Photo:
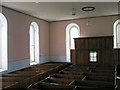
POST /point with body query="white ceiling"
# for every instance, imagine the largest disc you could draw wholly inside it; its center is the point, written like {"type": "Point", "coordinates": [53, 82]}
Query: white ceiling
{"type": "Point", "coordinates": [55, 11]}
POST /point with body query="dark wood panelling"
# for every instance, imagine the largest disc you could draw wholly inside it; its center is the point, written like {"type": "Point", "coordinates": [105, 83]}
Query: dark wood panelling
{"type": "Point", "coordinates": [72, 56]}
{"type": "Point", "coordinates": [103, 45]}
{"type": "Point", "coordinates": [117, 56]}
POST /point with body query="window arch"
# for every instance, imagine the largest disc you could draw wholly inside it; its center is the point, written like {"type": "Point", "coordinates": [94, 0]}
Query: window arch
{"type": "Point", "coordinates": [34, 43]}
{"type": "Point", "coordinates": [72, 31]}
{"type": "Point", "coordinates": [3, 43]}
{"type": "Point", "coordinates": [117, 34]}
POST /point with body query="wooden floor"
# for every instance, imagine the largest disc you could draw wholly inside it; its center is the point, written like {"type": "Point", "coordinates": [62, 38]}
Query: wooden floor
{"type": "Point", "coordinates": [24, 77]}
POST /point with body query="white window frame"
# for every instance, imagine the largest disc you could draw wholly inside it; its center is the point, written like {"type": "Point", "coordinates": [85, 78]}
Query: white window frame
{"type": "Point", "coordinates": [4, 44]}
{"type": "Point", "coordinates": [36, 44]}
{"type": "Point", "coordinates": [116, 44]}
{"type": "Point", "coordinates": [68, 46]}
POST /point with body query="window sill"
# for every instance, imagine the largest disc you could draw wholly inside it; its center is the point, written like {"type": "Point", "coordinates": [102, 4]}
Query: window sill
{"type": "Point", "coordinates": [33, 63]}
{"type": "Point", "coordinates": [1, 70]}
{"type": "Point", "coordinates": [93, 62]}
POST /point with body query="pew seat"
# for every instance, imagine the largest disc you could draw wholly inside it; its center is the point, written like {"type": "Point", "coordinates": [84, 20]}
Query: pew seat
{"type": "Point", "coordinates": [57, 80]}
{"type": "Point", "coordinates": [67, 76]}
{"type": "Point", "coordinates": [71, 72]}
{"type": "Point", "coordinates": [99, 74]}
{"type": "Point", "coordinates": [100, 78]}
{"type": "Point", "coordinates": [97, 84]}
{"type": "Point", "coordinates": [49, 86]}
{"type": "Point", "coordinates": [90, 88]}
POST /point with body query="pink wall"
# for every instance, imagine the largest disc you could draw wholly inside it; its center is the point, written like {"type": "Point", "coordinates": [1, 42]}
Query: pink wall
{"type": "Point", "coordinates": [18, 35]}
{"type": "Point", "coordinates": [101, 26]}
{"type": "Point", "coordinates": [52, 35]}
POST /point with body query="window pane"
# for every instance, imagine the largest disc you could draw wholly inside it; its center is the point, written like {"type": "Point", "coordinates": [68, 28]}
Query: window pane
{"type": "Point", "coordinates": [74, 33]}
{"type": "Point", "coordinates": [93, 56]}
{"type": "Point", "coordinates": [32, 56]}
{"type": "Point", "coordinates": [3, 43]}
{"type": "Point", "coordinates": [118, 33]}
{"type": "Point", "coordinates": [32, 35]}
{"type": "Point", "coordinates": [32, 44]}
{"type": "Point", "coordinates": [0, 44]}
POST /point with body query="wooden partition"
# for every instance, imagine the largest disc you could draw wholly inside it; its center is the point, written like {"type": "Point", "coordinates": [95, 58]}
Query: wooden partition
{"type": "Point", "coordinates": [106, 54]}
{"type": "Point", "coordinates": [72, 56]}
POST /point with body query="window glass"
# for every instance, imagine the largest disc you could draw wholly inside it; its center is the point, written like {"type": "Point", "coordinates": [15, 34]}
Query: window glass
{"type": "Point", "coordinates": [93, 56]}
{"type": "Point", "coordinates": [117, 34]}
{"type": "Point", "coordinates": [72, 31]}
{"type": "Point", "coordinates": [34, 43]}
{"type": "Point", "coordinates": [3, 43]}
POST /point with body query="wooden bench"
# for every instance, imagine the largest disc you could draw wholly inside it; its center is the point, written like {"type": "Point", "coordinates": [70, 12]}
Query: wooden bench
{"type": "Point", "coordinates": [103, 71]}
{"type": "Point", "coordinates": [57, 80]}
{"type": "Point", "coordinates": [6, 84]}
{"type": "Point", "coordinates": [76, 69]}
{"type": "Point", "coordinates": [30, 76]}
{"type": "Point", "coordinates": [67, 76]}
{"type": "Point", "coordinates": [18, 75]}
{"type": "Point", "coordinates": [48, 86]}
{"type": "Point", "coordinates": [90, 88]}
{"type": "Point", "coordinates": [71, 72]}
{"type": "Point", "coordinates": [99, 74]}
{"type": "Point", "coordinates": [97, 84]}
{"type": "Point", "coordinates": [100, 78]}
{"type": "Point", "coordinates": [9, 81]}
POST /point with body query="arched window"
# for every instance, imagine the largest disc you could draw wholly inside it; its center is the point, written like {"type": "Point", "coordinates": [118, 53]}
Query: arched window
{"type": "Point", "coordinates": [117, 34]}
{"type": "Point", "coordinates": [34, 43]}
{"type": "Point", "coordinates": [3, 43]}
{"type": "Point", "coordinates": [72, 31]}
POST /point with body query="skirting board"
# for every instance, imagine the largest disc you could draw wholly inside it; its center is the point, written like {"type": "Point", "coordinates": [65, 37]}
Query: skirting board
{"type": "Point", "coordinates": [58, 59]}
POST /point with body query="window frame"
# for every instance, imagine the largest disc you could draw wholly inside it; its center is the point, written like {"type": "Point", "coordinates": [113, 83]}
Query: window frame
{"type": "Point", "coordinates": [117, 22]}
{"type": "Point", "coordinates": [35, 27]}
{"type": "Point", "coordinates": [70, 41]}
{"type": "Point", "coordinates": [68, 27]}
{"type": "Point", "coordinates": [4, 43]}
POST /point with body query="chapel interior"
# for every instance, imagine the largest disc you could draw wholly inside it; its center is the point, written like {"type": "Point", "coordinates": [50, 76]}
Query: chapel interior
{"type": "Point", "coordinates": [59, 45]}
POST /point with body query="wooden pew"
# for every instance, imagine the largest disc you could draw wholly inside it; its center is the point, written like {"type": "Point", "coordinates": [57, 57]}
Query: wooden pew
{"type": "Point", "coordinates": [99, 74]}
{"type": "Point", "coordinates": [48, 86]}
{"type": "Point", "coordinates": [78, 67]}
{"type": "Point", "coordinates": [79, 70]}
{"type": "Point", "coordinates": [67, 76]}
{"type": "Point", "coordinates": [90, 88]}
{"type": "Point", "coordinates": [97, 84]}
{"type": "Point", "coordinates": [100, 78]}
{"type": "Point", "coordinates": [103, 71]}
{"type": "Point", "coordinates": [6, 84]}
{"type": "Point", "coordinates": [18, 75]}
{"type": "Point", "coordinates": [31, 76]}
{"type": "Point", "coordinates": [57, 80]}
{"type": "Point", "coordinates": [9, 81]}
{"type": "Point", "coordinates": [71, 72]}
{"type": "Point", "coordinates": [15, 79]}
{"type": "Point", "coordinates": [105, 67]}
